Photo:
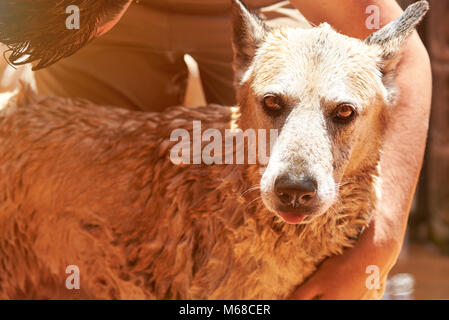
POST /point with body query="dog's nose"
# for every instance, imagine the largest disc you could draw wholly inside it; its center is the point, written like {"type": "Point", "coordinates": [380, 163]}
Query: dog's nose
{"type": "Point", "coordinates": [295, 192]}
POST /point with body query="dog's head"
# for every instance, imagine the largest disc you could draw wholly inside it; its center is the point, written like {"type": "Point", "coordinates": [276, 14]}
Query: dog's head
{"type": "Point", "coordinates": [327, 94]}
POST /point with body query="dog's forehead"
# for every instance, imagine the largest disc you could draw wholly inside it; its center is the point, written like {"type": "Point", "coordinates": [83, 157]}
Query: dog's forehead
{"type": "Point", "coordinates": [316, 61]}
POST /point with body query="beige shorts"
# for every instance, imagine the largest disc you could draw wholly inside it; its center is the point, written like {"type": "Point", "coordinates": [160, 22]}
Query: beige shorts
{"type": "Point", "coordinates": [140, 63]}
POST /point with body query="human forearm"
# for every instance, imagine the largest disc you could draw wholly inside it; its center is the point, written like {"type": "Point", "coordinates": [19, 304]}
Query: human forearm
{"type": "Point", "coordinates": [405, 141]}
{"type": "Point", "coordinates": [347, 16]}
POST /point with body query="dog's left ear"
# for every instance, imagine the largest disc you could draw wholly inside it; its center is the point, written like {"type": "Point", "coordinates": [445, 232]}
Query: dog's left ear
{"type": "Point", "coordinates": [390, 40]}
{"type": "Point", "coordinates": [249, 31]}
{"type": "Point", "coordinates": [391, 37]}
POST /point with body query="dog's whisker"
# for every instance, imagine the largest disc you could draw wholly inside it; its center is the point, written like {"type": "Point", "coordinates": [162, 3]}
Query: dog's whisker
{"type": "Point", "coordinates": [254, 188]}
{"type": "Point", "coordinates": [253, 201]}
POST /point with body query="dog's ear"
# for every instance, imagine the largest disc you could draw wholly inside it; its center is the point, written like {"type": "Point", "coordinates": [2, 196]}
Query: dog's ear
{"type": "Point", "coordinates": [390, 39]}
{"type": "Point", "coordinates": [248, 33]}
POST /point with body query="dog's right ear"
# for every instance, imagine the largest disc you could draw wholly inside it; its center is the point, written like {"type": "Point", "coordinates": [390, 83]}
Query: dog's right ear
{"type": "Point", "coordinates": [249, 31]}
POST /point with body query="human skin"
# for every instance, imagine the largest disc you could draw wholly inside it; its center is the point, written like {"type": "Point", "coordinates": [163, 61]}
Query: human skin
{"type": "Point", "coordinates": [344, 276]}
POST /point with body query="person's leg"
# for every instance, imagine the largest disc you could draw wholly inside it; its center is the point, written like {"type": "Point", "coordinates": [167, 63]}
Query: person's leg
{"type": "Point", "coordinates": [131, 66]}
{"type": "Point", "coordinates": [217, 76]}
{"type": "Point", "coordinates": [208, 39]}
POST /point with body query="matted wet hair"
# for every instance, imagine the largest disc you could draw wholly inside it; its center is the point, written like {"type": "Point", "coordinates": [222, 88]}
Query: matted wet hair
{"type": "Point", "coordinates": [35, 30]}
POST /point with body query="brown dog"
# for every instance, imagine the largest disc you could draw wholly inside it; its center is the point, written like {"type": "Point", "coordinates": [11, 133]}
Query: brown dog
{"type": "Point", "coordinates": [94, 187]}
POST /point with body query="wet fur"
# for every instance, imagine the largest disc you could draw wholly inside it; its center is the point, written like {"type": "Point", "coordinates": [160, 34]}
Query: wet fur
{"type": "Point", "coordinates": [81, 184]}
{"type": "Point", "coordinates": [93, 186]}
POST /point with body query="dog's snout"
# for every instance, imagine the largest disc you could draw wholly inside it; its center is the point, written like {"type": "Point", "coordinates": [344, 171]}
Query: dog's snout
{"type": "Point", "coordinates": [295, 192]}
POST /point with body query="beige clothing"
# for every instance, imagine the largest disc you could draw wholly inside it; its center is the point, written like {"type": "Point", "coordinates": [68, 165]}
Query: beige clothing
{"type": "Point", "coordinates": [140, 65]}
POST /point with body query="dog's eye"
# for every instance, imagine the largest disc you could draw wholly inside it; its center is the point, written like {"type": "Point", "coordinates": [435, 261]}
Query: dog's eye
{"type": "Point", "coordinates": [344, 112]}
{"type": "Point", "coordinates": [272, 103]}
